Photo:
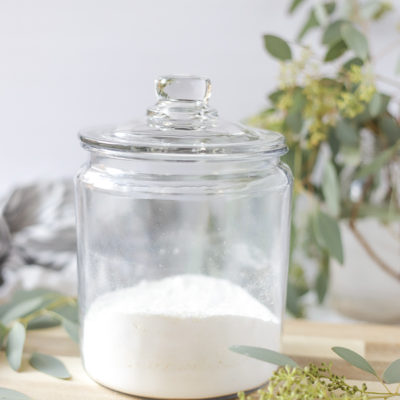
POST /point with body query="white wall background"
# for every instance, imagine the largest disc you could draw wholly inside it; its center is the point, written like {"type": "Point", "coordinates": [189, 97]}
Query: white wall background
{"type": "Point", "coordinates": [67, 64]}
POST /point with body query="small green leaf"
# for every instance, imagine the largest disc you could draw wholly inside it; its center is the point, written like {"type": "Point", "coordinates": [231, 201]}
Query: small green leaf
{"type": "Point", "coordinates": [25, 302]}
{"type": "Point", "coordinates": [383, 158]}
{"type": "Point", "coordinates": [327, 234]}
{"type": "Point", "coordinates": [15, 345]}
{"type": "Point", "coordinates": [346, 133]}
{"type": "Point", "coordinates": [335, 51]}
{"type": "Point", "coordinates": [70, 320]}
{"type": "Point", "coordinates": [354, 359]}
{"type": "Point", "coordinates": [42, 322]}
{"type": "Point", "coordinates": [330, 189]}
{"type": "Point", "coordinates": [277, 47]}
{"type": "Point", "coordinates": [275, 96]}
{"type": "Point", "coordinates": [392, 372]}
{"type": "Point", "coordinates": [72, 329]}
{"type": "Point", "coordinates": [9, 394]}
{"type": "Point", "coordinates": [390, 128]}
{"type": "Point", "coordinates": [321, 283]}
{"type": "Point", "coordinates": [22, 309]}
{"type": "Point", "coordinates": [353, 61]}
{"type": "Point", "coordinates": [332, 33]}
{"type": "Point", "coordinates": [69, 312]}
{"type": "Point", "coordinates": [321, 14]}
{"type": "Point", "coordinates": [375, 105]}
{"type": "Point", "coordinates": [355, 40]}
{"type": "Point", "coordinates": [294, 5]}
{"type": "Point", "coordinates": [312, 20]}
{"type": "Point", "coordinates": [46, 294]}
{"type": "Point", "coordinates": [266, 355]}
{"type": "Point", "coordinates": [49, 365]}
{"type": "Point", "coordinates": [3, 334]}
{"type": "Point", "coordinates": [293, 301]}
{"type": "Point", "coordinates": [310, 23]}
{"type": "Point", "coordinates": [294, 121]}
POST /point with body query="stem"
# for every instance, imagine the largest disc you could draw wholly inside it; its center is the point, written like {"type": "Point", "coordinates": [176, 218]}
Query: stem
{"type": "Point", "coordinates": [43, 311]}
{"type": "Point", "coordinates": [382, 264]}
{"type": "Point", "coordinates": [361, 239]}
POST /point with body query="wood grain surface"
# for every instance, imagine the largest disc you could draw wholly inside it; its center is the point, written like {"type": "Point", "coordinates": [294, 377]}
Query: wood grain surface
{"type": "Point", "coordinates": [305, 341]}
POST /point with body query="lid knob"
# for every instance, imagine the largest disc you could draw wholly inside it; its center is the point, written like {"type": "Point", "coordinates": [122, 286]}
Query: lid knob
{"type": "Point", "coordinates": [183, 88]}
{"type": "Point", "coordinates": [182, 103]}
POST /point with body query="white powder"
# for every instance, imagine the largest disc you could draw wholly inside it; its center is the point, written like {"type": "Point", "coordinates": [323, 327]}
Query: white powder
{"type": "Point", "coordinates": [170, 338]}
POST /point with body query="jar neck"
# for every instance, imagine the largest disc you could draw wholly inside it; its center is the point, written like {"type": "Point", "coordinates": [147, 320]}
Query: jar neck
{"type": "Point", "coordinates": [195, 167]}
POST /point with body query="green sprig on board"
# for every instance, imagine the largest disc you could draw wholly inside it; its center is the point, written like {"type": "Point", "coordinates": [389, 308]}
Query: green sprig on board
{"type": "Point", "coordinates": [30, 310]}
{"type": "Point", "coordinates": [292, 382]}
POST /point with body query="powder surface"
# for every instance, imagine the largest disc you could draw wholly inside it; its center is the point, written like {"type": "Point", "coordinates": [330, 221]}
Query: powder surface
{"type": "Point", "coordinates": [170, 338]}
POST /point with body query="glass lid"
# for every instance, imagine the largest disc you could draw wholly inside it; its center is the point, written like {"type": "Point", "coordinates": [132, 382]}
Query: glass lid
{"type": "Point", "coordinates": [181, 122]}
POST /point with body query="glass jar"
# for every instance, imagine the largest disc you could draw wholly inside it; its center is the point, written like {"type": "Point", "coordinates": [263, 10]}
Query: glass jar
{"type": "Point", "coordinates": [183, 230]}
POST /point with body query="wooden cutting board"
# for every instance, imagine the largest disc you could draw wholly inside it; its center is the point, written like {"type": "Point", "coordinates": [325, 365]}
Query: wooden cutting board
{"type": "Point", "coordinates": [305, 341]}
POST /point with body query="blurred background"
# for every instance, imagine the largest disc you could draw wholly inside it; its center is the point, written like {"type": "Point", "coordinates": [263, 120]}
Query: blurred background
{"type": "Point", "coordinates": [71, 64]}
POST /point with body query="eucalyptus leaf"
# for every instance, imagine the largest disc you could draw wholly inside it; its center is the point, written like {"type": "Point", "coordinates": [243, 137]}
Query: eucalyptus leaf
{"type": "Point", "coordinates": [333, 142]}
{"type": "Point", "coordinates": [332, 32]}
{"type": "Point", "coordinates": [293, 301]}
{"type": "Point", "coordinates": [375, 105]}
{"type": "Point", "coordinates": [3, 334]}
{"type": "Point", "coordinates": [330, 188]}
{"type": "Point", "coordinates": [275, 96]}
{"type": "Point", "coordinates": [294, 5]}
{"type": "Point", "coordinates": [379, 161]}
{"type": "Point", "coordinates": [9, 394]}
{"type": "Point", "coordinates": [354, 359]}
{"type": "Point", "coordinates": [294, 121]}
{"type": "Point", "coordinates": [15, 345]}
{"type": "Point", "coordinates": [25, 302]}
{"type": "Point", "coordinates": [46, 294]}
{"type": "Point", "coordinates": [390, 128]}
{"type": "Point", "coordinates": [42, 322]}
{"type": "Point", "coordinates": [21, 309]}
{"type": "Point", "coordinates": [321, 14]}
{"type": "Point", "coordinates": [353, 61]}
{"type": "Point", "coordinates": [335, 51]}
{"type": "Point", "coordinates": [346, 133]}
{"type": "Point", "coordinates": [69, 312]}
{"type": "Point", "coordinates": [266, 355]}
{"type": "Point", "coordinates": [355, 40]}
{"type": "Point", "coordinates": [49, 365]}
{"type": "Point", "coordinates": [312, 20]}
{"type": "Point", "coordinates": [327, 234]}
{"type": "Point", "coordinates": [392, 372]}
{"type": "Point", "coordinates": [72, 328]}
{"type": "Point", "coordinates": [277, 47]}
{"type": "Point", "coordinates": [321, 283]}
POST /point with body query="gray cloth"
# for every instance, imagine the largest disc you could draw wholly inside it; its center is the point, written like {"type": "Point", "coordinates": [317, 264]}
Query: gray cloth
{"type": "Point", "coordinates": [37, 232]}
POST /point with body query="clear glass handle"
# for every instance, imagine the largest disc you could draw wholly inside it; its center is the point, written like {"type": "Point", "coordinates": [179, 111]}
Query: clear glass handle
{"type": "Point", "coordinates": [183, 88]}
{"type": "Point", "coordinates": [182, 103]}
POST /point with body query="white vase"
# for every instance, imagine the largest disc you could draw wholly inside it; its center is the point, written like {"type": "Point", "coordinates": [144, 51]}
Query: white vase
{"type": "Point", "coordinates": [360, 288]}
